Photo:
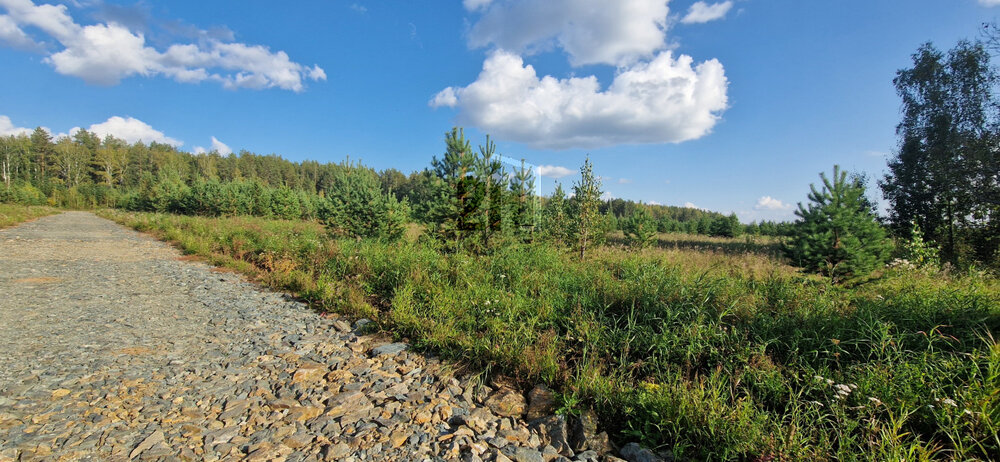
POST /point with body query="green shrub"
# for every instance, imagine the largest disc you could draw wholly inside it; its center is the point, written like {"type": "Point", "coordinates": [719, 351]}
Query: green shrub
{"type": "Point", "coordinates": [837, 235]}
{"type": "Point", "coordinates": [359, 207]}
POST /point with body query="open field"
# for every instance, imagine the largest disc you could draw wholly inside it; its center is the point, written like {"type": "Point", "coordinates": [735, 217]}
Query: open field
{"type": "Point", "coordinates": [11, 214]}
{"type": "Point", "coordinates": [708, 354]}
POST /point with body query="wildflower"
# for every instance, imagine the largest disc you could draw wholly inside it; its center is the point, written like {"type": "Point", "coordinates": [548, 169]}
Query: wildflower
{"type": "Point", "coordinates": [841, 388]}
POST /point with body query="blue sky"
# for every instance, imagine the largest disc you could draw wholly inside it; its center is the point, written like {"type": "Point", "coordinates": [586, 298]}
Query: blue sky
{"type": "Point", "coordinates": [733, 106]}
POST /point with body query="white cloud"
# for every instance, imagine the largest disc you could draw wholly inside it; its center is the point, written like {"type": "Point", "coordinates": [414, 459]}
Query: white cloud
{"type": "Point", "coordinates": [624, 181]}
{"type": "Point", "coordinates": [666, 100]}
{"type": "Point", "coordinates": [7, 128]}
{"type": "Point", "coordinates": [616, 32]}
{"type": "Point", "coordinates": [691, 205]}
{"type": "Point", "coordinates": [989, 3]}
{"type": "Point", "coordinates": [554, 171]}
{"type": "Point", "coordinates": [106, 53]}
{"type": "Point", "coordinates": [701, 12]}
{"type": "Point", "coordinates": [131, 130]}
{"type": "Point", "coordinates": [14, 37]}
{"type": "Point", "coordinates": [770, 203]}
{"type": "Point", "coordinates": [217, 146]}
{"type": "Point", "coordinates": [654, 203]}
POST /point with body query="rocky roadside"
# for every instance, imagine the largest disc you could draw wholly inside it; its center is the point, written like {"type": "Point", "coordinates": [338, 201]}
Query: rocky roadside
{"type": "Point", "coordinates": [113, 348]}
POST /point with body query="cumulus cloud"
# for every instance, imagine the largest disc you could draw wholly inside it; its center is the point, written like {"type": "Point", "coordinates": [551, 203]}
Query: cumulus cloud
{"type": "Point", "coordinates": [12, 36]}
{"type": "Point", "coordinates": [690, 205]}
{"type": "Point", "coordinates": [7, 128]}
{"type": "Point", "coordinates": [131, 130]}
{"type": "Point", "coordinates": [217, 146]}
{"type": "Point", "coordinates": [701, 12]}
{"type": "Point", "coordinates": [989, 3]}
{"type": "Point", "coordinates": [619, 32]}
{"type": "Point", "coordinates": [554, 171]}
{"type": "Point", "coordinates": [665, 100]}
{"type": "Point", "coordinates": [106, 53]}
{"type": "Point", "coordinates": [770, 203]}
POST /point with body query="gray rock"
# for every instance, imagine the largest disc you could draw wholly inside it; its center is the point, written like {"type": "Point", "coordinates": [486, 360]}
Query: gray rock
{"type": "Point", "coordinates": [527, 455]}
{"type": "Point", "coordinates": [552, 430]}
{"type": "Point", "coordinates": [389, 349]}
{"type": "Point", "coordinates": [632, 452]}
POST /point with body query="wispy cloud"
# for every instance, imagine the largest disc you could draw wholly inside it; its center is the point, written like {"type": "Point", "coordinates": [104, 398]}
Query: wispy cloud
{"type": "Point", "coordinates": [701, 12]}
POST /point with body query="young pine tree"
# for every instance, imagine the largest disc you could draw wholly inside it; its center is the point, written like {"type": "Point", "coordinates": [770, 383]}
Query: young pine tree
{"type": "Point", "coordinates": [360, 208]}
{"type": "Point", "coordinates": [492, 177]}
{"type": "Point", "coordinates": [522, 203]}
{"type": "Point", "coordinates": [456, 213]}
{"type": "Point", "coordinates": [837, 234]}
{"type": "Point", "coordinates": [555, 217]}
{"type": "Point", "coordinates": [639, 227]}
{"type": "Point", "coordinates": [588, 221]}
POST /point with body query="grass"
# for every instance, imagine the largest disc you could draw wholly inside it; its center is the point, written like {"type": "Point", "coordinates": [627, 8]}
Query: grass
{"type": "Point", "coordinates": [11, 214]}
{"type": "Point", "coordinates": [711, 354]}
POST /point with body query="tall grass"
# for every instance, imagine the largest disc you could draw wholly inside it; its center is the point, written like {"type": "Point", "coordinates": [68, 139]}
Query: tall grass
{"type": "Point", "coordinates": [12, 214]}
{"type": "Point", "coordinates": [710, 354]}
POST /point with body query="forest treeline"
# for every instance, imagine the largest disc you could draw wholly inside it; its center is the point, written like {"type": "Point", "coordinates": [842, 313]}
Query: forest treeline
{"type": "Point", "coordinates": [85, 171]}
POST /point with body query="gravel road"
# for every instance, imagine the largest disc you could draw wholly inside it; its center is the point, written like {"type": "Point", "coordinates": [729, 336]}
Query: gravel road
{"type": "Point", "coordinates": [113, 347]}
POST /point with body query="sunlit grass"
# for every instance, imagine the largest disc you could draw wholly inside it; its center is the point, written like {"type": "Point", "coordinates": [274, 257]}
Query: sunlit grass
{"type": "Point", "coordinates": [11, 214]}
{"type": "Point", "coordinates": [711, 353]}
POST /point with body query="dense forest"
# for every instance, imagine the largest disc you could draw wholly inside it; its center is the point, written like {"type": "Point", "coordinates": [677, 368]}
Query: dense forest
{"type": "Point", "coordinates": [84, 171]}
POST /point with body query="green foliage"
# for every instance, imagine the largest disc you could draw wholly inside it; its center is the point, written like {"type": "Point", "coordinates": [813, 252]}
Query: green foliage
{"type": "Point", "coordinates": [639, 227]}
{"type": "Point", "coordinates": [491, 175]}
{"type": "Point", "coordinates": [456, 212]}
{"type": "Point", "coordinates": [588, 223]}
{"type": "Point", "coordinates": [919, 252]}
{"type": "Point", "coordinates": [837, 235]}
{"type": "Point", "coordinates": [726, 227]}
{"type": "Point", "coordinates": [523, 204]}
{"type": "Point", "coordinates": [556, 218]}
{"type": "Point", "coordinates": [943, 176]}
{"type": "Point", "coordinates": [714, 357]}
{"type": "Point", "coordinates": [360, 208]}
